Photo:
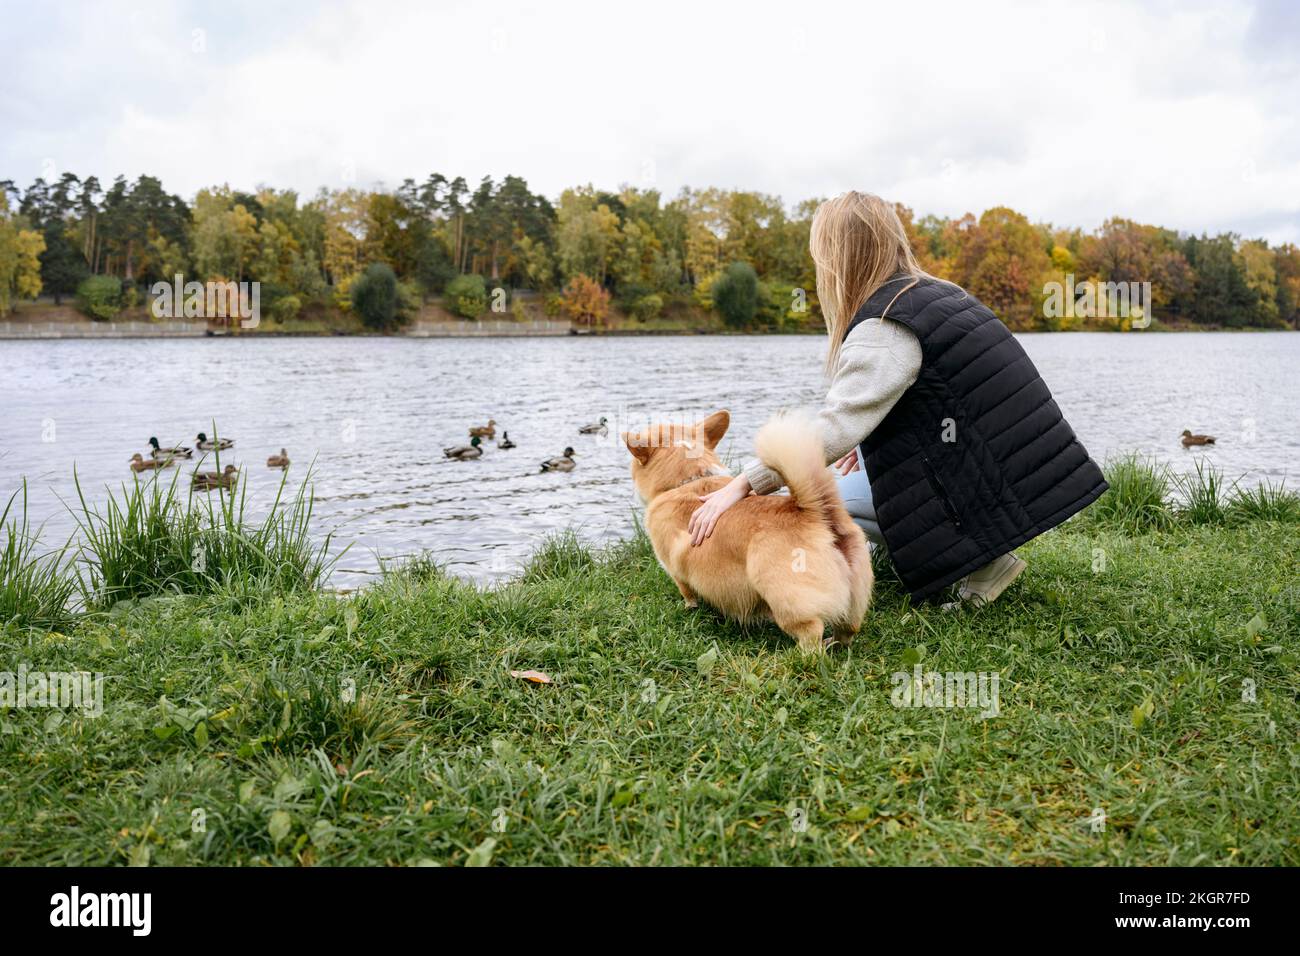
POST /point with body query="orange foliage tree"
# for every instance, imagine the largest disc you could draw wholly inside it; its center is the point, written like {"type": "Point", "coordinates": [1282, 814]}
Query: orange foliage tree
{"type": "Point", "coordinates": [586, 301]}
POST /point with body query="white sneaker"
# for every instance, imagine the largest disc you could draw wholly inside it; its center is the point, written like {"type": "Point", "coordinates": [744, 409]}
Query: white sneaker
{"type": "Point", "coordinates": [985, 585]}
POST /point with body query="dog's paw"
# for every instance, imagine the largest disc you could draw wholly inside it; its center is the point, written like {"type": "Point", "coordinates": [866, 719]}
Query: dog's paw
{"type": "Point", "coordinates": [690, 604]}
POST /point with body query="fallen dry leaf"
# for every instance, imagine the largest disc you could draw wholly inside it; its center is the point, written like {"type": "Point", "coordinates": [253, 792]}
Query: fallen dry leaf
{"type": "Point", "coordinates": [536, 677]}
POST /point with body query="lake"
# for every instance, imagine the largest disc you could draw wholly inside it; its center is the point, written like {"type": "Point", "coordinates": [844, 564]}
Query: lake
{"type": "Point", "coordinates": [375, 413]}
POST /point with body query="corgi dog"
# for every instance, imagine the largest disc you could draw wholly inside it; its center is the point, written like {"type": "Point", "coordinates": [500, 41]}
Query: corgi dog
{"type": "Point", "coordinates": [798, 558]}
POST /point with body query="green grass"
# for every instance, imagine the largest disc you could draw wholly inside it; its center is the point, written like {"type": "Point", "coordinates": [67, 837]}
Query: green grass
{"type": "Point", "coordinates": [1138, 499]}
{"type": "Point", "coordinates": [35, 590]}
{"type": "Point", "coordinates": [1203, 494]}
{"type": "Point", "coordinates": [1265, 502]}
{"type": "Point", "coordinates": [158, 536]}
{"type": "Point", "coordinates": [303, 727]}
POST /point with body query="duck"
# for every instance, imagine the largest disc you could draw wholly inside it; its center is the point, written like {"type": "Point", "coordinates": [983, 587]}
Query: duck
{"type": "Point", "coordinates": [1189, 439]}
{"type": "Point", "coordinates": [140, 463]}
{"type": "Point", "coordinates": [180, 451]}
{"type": "Point", "coordinates": [595, 428]}
{"type": "Point", "coordinates": [278, 461]}
{"type": "Point", "coordinates": [505, 441]}
{"type": "Point", "coordinates": [484, 431]}
{"type": "Point", "coordinates": [208, 480]}
{"type": "Point", "coordinates": [564, 463]}
{"type": "Point", "coordinates": [215, 444]}
{"type": "Point", "coordinates": [465, 452]}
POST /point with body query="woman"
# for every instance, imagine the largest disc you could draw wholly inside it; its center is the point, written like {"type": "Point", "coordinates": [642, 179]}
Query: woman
{"type": "Point", "coordinates": [950, 448]}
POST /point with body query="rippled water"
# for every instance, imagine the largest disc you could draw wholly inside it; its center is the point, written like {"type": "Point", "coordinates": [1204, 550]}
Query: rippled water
{"type": "Point", "coordinates": [376, 413]}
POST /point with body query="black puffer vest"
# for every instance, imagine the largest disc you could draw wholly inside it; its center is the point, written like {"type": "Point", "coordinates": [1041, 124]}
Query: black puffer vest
{"type": "Point", "coordinates": [975, 458]}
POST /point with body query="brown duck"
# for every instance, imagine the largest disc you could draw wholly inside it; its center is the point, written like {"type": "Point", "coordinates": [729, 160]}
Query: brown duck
{"type": "Point", "coordinates": [211, 480]}
{"type": "Point", "coordinates": [140, 463]}
{"type": "Point", "coordinates": [1189, 439]}
{"type": "Point", "coordinates": [484, 431]}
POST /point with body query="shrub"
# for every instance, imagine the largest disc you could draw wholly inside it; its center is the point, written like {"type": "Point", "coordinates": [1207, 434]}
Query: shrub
{"type": "Point", "coordinates": [100, 297]}
{"type": "Point", "coordinates": [735, 294]}
{"type": "Point", "coordinates": [410, 296]}
{"type": "Point", "coordinates": [586, 300]}
{"type": "Point", "coordinates": [375, 297]}
{"type": "Point", "coordinates": [341, 293]}
{"type": "Point", "coordinates": [286, 308]}
{"type": "Point", "coordinates": [647, 307]}
{"type": "Point", "coordinates": [466, 296]}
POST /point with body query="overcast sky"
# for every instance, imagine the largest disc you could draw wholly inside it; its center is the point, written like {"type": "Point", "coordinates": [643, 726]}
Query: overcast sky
{"type": "Point", "coordinates": [1181, 114]}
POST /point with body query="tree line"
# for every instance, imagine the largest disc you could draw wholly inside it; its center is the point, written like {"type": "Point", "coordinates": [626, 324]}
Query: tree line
{"type": "Point", "coordinates": [744, 255]}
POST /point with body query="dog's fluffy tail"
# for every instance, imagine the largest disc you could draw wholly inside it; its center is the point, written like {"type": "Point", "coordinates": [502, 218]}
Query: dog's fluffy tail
{"type": "Point", "coordinates": [791, 445]}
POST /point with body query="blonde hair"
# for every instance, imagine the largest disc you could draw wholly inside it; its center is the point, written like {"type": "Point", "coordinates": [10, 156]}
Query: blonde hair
{"type": "Point", "coordinates": [858, 243]}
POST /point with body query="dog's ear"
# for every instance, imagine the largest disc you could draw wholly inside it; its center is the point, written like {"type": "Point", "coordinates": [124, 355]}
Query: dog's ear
{"type": "Point", "coordinates": [714, 427]}
{"type": "Point", "coordinates": [638, 446]}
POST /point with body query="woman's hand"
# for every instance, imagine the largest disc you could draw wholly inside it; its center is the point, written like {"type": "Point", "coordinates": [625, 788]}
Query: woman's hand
{"type": "Point", "coordinates": [714, 504]}
{"type": "Point", "coordinates": [848, 464]}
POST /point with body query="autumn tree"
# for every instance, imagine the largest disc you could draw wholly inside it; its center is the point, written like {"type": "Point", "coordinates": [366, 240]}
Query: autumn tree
{"type": "Point", "coordinates": [1003, 263]}
{"type": "Point", "coordinates": [586, 301]}
{"type": "Point", "coordinates": [224, 236]}
{"type": "Point", "coordinates": [1223, 295]}
{"type": "Point", "coordinates": [20, 265]}
{"type": "Point", "coordinates": [586, 235]}
{"type": "Point", "coordinates": [1288, 283]}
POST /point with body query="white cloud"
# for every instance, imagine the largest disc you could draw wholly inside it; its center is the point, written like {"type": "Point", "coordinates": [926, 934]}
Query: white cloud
{"type": "Point", "coordinates": [1070, 112]}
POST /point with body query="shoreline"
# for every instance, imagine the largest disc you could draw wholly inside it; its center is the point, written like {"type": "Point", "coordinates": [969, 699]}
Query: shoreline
{"type": "Point", "coordinates": [49, 331]}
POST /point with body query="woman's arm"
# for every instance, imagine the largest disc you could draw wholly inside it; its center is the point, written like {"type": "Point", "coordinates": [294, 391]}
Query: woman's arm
{"type": "Point", "coordinates": [879, 362]}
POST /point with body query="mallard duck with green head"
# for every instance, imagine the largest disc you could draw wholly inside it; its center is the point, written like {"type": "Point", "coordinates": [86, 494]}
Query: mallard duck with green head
{"type": "Point", "coordinates": [180, 451]}
{"type": "Point", "coordinates": [465, 452]}
{"type": "Point", "coordinates": [216, 444]}
{"type": "Point", "coordinates": [595, 428]}
{"type": "Point", "coordinates": [564, 462]}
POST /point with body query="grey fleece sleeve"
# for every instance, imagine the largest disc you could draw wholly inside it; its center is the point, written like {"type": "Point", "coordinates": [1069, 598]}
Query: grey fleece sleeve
{"type": "Point", "coordinates": [878, 362]}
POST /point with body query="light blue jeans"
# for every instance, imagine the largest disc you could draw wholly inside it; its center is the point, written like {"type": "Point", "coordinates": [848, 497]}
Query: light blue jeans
{"type": "Point", "coordinates": [855, 489]}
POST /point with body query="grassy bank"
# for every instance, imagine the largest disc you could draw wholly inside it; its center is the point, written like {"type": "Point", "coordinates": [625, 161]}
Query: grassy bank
{"type": "Point", "coordinates": [250, 718]}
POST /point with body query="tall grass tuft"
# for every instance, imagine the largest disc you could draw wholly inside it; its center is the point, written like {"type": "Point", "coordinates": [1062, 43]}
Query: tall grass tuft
{"type": "Point", "coordinates": [1267, 502]}
{"type": "Point", "coordinates": [1202, 495]}
{"type": "Point", "coordinates": [155, 539]}
{"type": "Point", "coordinates": [34, 590]}
{"type": "Point", "coordinates": [1137, 501]}
{"type": "Point", "coordinates": [559, 556]}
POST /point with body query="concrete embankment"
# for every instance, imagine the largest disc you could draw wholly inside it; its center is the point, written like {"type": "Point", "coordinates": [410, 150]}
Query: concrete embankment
{"type": "Point", "coordinates": [178, 329]}
{"type": "Point", "coordinates": [102, 330]}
